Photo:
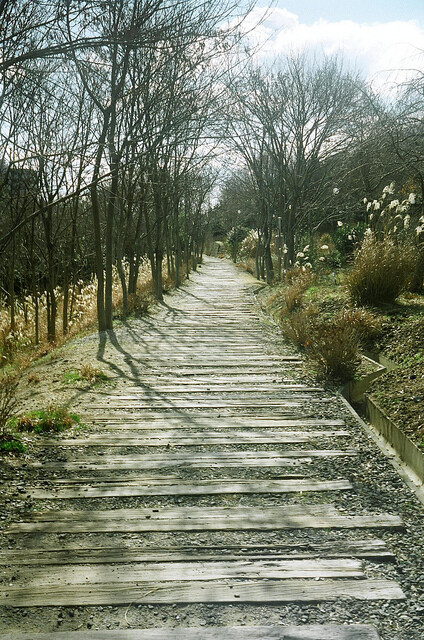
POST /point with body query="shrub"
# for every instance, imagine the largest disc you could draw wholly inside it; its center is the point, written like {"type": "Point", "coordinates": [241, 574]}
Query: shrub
{"type": "Point", "coordinates": [9, 441]}
{"type": "Point", "coordinates": [381, 271]}
{"type": "Point", "coordinates": [8, 401]}
{"type": "Point", "coordinates": [247, 248]}
{"type": "Point", "coordinates": [92, 374]}
{"type": "Point", "coordinates": [299, 280]}
{"type": "Point", "coordinates": [334, 346]}
{"type": "Point", "coordinates": [53, 419]}
{"type": "Point", "coordinates": [235, 237]}
{"type": "Point", "coordinates": [11, 444]}
{"type": "Point", "coordinates": [367, 325]}
{"type": "Point", "coordinates": [298, 326]}
{"type": "Point", "coordinates": [346, 238]}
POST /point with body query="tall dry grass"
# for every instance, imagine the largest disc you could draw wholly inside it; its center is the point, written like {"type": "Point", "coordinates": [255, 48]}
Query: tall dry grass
{"type": "Point", "coordinates": [381, 272]}
{"type": "Point", "coordinates": [19, 346]}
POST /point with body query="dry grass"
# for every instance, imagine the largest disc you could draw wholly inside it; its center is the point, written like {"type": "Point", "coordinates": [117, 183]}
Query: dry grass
{"type": "Point", "coordinates": [19, 346]}
{"type": "Point", "coordinates": [90, 373]}
{"type": "Point", "coordinates": [331, 341]}
{"type": "Point", "coordinates": [367, 324]}
{"type": "Point", "coordinates": [381, 272]}
{"type": "Point", "coordinates": [299, 280]}
{"type": "Point", "coordinates": [335, 348]}
{"type": "Point", "coordinates": [298, 325]}
{"type": "Point", "coordinates": [8, 401]}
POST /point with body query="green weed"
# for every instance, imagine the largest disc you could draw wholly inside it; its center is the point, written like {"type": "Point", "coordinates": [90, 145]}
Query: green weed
{"type": "Point", "coordinates": [51, 420]}
{"type": "Point", "coordinates": [12, 444]}
{"type": "Point", "coordinates": [71, 376]}
{"type": "Point", "coordinates": [87, 373]}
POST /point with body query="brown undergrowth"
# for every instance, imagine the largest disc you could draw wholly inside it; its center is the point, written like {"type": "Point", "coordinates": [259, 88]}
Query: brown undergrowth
{"type": "Point", "coordinates": [333, 332]}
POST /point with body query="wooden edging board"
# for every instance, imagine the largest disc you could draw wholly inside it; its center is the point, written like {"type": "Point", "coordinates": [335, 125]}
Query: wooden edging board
{"type": "Point", "coordinates": [405, 448]}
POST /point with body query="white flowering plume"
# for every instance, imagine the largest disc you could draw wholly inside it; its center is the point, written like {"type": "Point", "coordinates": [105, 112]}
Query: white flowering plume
{"type": "Point", "coordinates": [391, 216]}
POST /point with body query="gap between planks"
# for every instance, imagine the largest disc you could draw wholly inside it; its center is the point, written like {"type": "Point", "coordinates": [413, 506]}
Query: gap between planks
{"type": "Point", "coordinates": [369, 548]}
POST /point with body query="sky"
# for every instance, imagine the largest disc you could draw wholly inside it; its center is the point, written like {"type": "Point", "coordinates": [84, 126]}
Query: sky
{"type": "Point", "coordinates": [381, 39]}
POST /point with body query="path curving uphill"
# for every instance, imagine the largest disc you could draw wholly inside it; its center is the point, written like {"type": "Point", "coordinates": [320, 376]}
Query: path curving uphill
{"type": "Point", "coordinates": [215, 496]}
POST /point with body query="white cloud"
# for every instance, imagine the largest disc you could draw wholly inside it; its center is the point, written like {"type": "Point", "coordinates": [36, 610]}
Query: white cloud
{"type": "Point", "coordinates": [383, 52]}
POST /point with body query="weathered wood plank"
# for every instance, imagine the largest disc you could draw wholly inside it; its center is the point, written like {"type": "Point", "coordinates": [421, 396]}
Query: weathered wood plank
{"type": "Point", "coordinates": [211, 386]}
{"type": "Point", "coordinates": [198, 460]}
{"type": "Point", "coordinates": [155, 421]}
{"type": "Point", "coordinates": [307, 632]}
{"type": "Point", "coordinates": [180, 403]}
{"type": "Point", "coordinates": [112, 573]}
{"type": "Point", "coordinates": [370, 548]}
{"type": "Point", "coordinates": [183, 488]}
{"type": "Point", "coordinates": [196, 439]}
{"type": "Point", "coordinates": [213, 359]}
{"type": "Point", "coordinates": [201, 591]}
{"type": "Point", "coordinates": [131, 464]}
{"type": "Point", "coordinates": [138, 477]}
{"type": "Point", "coordinates": [196, 519]}
{"type": "Point", "coordinates": [178, 390]}
{"type": "Point", "coordinates": [183, 512]}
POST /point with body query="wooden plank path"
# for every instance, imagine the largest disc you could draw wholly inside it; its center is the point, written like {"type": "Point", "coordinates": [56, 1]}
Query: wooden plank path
{"type": "Point", "coordinates": [307, 632]}
{"type": "Point", "coordinates": [177, 450]}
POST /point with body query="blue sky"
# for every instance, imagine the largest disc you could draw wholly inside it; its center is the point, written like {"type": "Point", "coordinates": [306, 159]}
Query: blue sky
{"type": "Point", "coordinates": [362, 11]}
{"type": "Point", "coordinates": [383, 40]}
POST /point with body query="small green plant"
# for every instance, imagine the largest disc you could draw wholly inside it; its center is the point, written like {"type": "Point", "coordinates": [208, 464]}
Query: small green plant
{"type": "Point", "coordinates": [71, 376]}
{"type": "Point", "coordinates": [12, 444]}
{"type": "Point", "coordinates": [88, 373]}
{"type": "Point", "coordinates": [51, 420]}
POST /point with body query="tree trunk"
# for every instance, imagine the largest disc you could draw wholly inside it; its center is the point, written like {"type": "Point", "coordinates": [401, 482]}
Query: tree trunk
{"type": "Point", "coordinates": [418, 277]}
{"type": "Point", "coordinates": [158, 275]}
{"type": "Point", "coordinates": [12, 287]}
{"type": "Point", "coordinates": [121, 274]}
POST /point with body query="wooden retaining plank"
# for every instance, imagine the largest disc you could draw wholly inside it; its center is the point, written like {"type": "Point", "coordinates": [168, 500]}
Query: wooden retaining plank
{"type": "Point", "coordinates": [189, 488]}
{"type": "Point", "coordinates": [195, 519]}
{"type": "Point", "coordinates": [369, 548]}
{"type": "Point", "coordinates": [201, 592]}
{"type": "Point", "coordinates": [307, 632]}
{"type": "Point", "coordinates": [77, 574]}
